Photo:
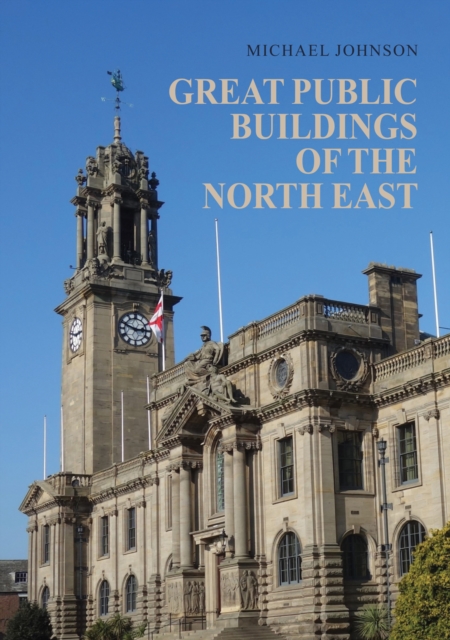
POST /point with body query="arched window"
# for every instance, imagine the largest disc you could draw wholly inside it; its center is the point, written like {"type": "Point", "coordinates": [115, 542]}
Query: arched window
{"type": "Point", "coordinates": [131, 591]}
{"type": "Point", "coordinates": [45, 597]}
{"type": "Point", "coordinates": [410, 536]}
{"type": "Point", "coordinates": [104, 598]}
{"type": "Point", "coordinates": [354, 555]}
{"type": "Point", "coordinates": [289, 560]}
{"type": "Point", "coordinates": [220, 480]}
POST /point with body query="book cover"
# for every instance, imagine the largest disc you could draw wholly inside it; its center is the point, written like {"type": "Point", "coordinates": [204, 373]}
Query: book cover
{"type": "Point", "coordinates": [314, 132]}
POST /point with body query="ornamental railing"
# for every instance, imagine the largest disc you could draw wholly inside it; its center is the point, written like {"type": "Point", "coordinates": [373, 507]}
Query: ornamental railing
{"type": "Point", "coordinates": [434, 349]}
{"type": "Point", "coordinates": [61, 480]}
{"type": "Point", "coordinates": [278, 321]}
{"type": "Point", "coordinates": [346, 312]}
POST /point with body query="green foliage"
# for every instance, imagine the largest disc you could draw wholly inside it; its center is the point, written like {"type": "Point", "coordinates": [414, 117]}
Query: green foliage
{"type": "Point", "coordinates": [372, 622]}
{"type": "Point", "coordinates": [30, 623]}
{"type": "Point", "coordinates": [422, 611]}
{"type": "Point", "coordinates": [116, 628]}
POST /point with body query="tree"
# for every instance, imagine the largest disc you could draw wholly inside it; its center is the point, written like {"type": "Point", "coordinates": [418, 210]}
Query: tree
{"type": "Point", "coordinates": [372, 622]}
{"type": "Point", "coordinates": [422, 610]}
{"type": "Point", "coordinates": [116, 628]}
{"type": "Point", "coordinates": [30, 623]}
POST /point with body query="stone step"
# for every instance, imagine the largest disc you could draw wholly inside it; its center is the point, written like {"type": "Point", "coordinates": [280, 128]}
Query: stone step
{"type": "Point", "coordinates": [230, 633]}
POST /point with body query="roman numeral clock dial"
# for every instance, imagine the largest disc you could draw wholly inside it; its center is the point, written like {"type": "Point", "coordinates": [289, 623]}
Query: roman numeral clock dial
{"type": "Point", "coordinates": [75, 335]}
{"type": "Point", "coordinates": [134, 329]}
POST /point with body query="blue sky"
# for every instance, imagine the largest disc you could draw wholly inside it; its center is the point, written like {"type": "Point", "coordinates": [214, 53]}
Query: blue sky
{"type": "Point", "coordinates": [54, 61]}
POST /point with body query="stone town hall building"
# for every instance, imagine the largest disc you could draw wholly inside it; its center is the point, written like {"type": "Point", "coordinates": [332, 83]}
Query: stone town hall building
{"type": "Point", "coordinates": [259, 500]}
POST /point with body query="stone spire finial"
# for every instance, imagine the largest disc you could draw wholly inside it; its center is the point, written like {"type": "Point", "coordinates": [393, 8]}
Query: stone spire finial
{"type": "Point", "coordinates": [117, 137]}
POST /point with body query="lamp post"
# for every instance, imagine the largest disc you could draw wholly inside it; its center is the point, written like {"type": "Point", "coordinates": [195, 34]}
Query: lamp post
{"type": "Point", "coordinates": [382, 445]}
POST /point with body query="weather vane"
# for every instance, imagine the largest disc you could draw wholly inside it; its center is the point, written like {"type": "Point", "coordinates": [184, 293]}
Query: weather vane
{"type": "Point", "coordinates": [117, 83]}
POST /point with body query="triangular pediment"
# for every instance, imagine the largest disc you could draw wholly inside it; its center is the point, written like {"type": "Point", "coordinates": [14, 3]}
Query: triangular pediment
{"type": "Point", "coordinates": [190, 415]}
{"type": "Point", "coordinates": [40, 492]}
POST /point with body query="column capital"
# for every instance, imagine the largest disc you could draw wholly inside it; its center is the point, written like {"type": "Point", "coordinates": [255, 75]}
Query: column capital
{"type": "Point", "coordinates": [243, 445]}
{"type": "Point", "coordinates": [92, 203]}
{"type": "Point", "coordinates": [116, 199]}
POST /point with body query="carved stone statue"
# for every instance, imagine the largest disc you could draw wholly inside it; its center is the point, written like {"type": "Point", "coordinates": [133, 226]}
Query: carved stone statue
{"type": "Point", "coordinates": [102, 238]}
{"type": "Point", "coordinates": [194, 599]}
{"type": "Point", "coordinates": [197, 365]}
{"type": "Point", "coordinates": [248, 586]}
{"type": "Point", "coordinates": [220, 387]}
{"type": "Point", "coordinates": [201, 596]}
{"type": "Point", "coordinates": [151, 248]}
{"type": "Point", "coordinates": [91, 166]}
{"type": "Point", "coordinates": [187, 597]}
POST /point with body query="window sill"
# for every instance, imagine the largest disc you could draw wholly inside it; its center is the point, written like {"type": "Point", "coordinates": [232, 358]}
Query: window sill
{"type": "Point", "coordinates": [133, 550]}
{"type": "Point", "coordinates": [105, 557]}
{"type": "Point", "coordinates": [408, 485]}
{"type": "Point", "coordinates": [354, 492]}
{"type": "Point", "coordinates": [291, 496]}
{"type": "Point", "coordinates": [288, 587]}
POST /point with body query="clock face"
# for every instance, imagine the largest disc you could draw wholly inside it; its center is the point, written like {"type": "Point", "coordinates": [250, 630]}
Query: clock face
{"type": "Point", "coordinates": [75, 334]}
{"type": "Point", "coordinates": [134, 329]}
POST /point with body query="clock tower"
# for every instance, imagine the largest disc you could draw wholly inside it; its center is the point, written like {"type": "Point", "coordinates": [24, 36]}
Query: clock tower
{"type": "Point", "coordinates": [108, 348]}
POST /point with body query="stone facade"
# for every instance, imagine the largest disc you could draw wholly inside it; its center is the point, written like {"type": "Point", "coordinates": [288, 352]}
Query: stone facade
{"type": "Point", "coordinates": [259, 502]}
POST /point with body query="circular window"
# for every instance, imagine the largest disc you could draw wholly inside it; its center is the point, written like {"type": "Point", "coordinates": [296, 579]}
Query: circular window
{"type": "Point", "coordinates": [347, 364]}
{"type": "Point", "coordinates": [281, 373]}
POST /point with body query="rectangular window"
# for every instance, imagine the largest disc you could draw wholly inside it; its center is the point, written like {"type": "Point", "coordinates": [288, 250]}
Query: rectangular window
{"type": "Point", "coordinates": [46, 545]}
{"type": "Point", "coordinates": [104, 536]}
{"type": "Point", "coordinates": [286, 462]}
{"type": "Point", "coordinates": [21, 576]}
{"type": "Point", "coordinates": [350, 459]}
{"type": "Point", "coordinates": [407, 447]}
{"type": "Point", "coordinates": [131, 529]}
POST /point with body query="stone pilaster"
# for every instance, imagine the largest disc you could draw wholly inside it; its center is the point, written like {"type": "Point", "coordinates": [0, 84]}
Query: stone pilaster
{"type": "Point", "coordinates": [144, 231]}
{"type": "Point", "coordinates": [90, 229]}
{"type": "Point", "coordinates": [80, 239]}
{"type": "Point", "coordinates": [185, 517]}
{"type": "Point", "coordinates": [175, 519]}
{"type": "Point", "coordinates": [117, 200]}
{"type": "Point", "coordinates": [240, 503]}
{"type": "Point", "coordinates": [229, 500]}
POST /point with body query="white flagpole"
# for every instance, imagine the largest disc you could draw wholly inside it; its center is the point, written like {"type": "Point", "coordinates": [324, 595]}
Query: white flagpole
{"type": "Point", "coordinates": [121, 406]}
{"type": "Point", "coordinates": [149, 416]}
{"type": "Point", "coordinates": [163, 333]}
{"type": "Point", "coordinates": [45, 447]}
{"type": "Point", "coordinates": [62, 441]}
{"type": "Point", "coordinates": [434, 286]}
{"type": "Point", "coordinates": [218, 279]}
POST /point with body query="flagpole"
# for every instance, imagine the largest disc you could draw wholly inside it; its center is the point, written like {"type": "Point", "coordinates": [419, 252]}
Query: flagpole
{"type": "Point", "coordinates": [218, 279]}
{"type": "Point", "coordinates": [45, 447]}
{"type": "Point", "coordinates": [149, 416]}
{"type": "Point", "coordinates": [163, 343]}
{"type": "Point", "coordinates": [434, 285]}
{"type": "Point", "coordinates": [121, 407]}
{"type": "Point", "coordinates": [62, 440]}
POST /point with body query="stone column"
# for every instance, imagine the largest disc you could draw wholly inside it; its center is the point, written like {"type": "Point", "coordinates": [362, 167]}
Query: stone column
{"type": "Point", "coordinates": [175, 519]}
{"type": "Point", "coordinates": [185, 516]}
{"type": "Point", "coordinates": [229, 499]}
{"type": "Point", "coordinates": [116, 223]}
{"type": "Point", "coordinates": [90, 230]}
{"type": "Point", "coordinates": [80, 238]}
{"type": "Point", "coordinates": [144, 232]}
{"type": "Point", "coordinates": [240, 503]}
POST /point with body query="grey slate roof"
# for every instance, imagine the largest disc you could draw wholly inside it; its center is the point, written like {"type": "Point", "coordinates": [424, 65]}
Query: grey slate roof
{"type": "Point", "coordinates": [8, 570]}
